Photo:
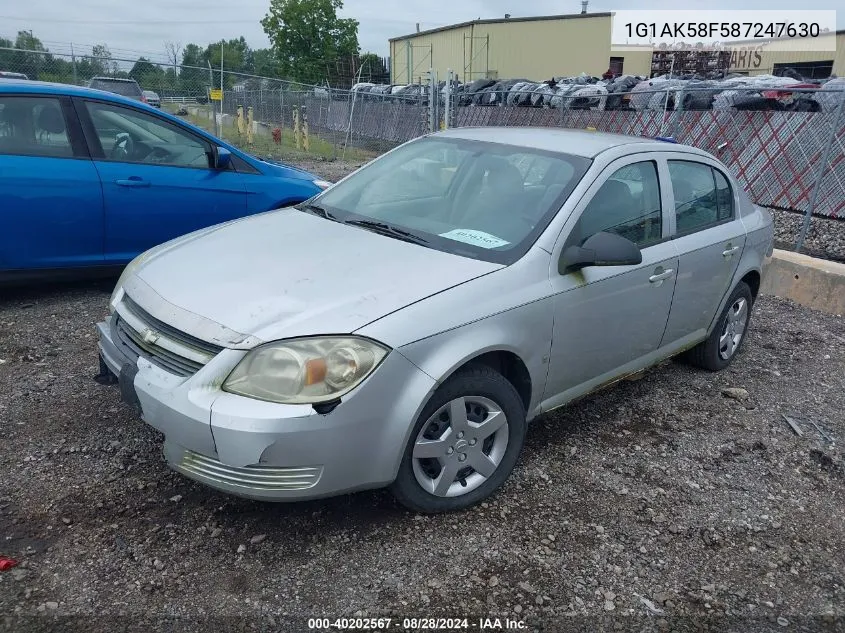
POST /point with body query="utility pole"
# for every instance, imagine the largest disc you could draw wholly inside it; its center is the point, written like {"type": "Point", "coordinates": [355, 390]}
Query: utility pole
{"type": "Point", "coordinates": [73, 62]}
{"type": "Point", "coordinates": [221, 83]}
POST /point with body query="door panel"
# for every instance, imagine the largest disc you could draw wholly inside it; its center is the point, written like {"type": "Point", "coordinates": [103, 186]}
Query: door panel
{"type": "Point", "coordinates": [609, 318]}
{"type": "Point", "coordinates": [710, 251]}
{"type": "Point", "coordinates": [157, 182]}
{"type": "Point", "coordinates": [51, 202]}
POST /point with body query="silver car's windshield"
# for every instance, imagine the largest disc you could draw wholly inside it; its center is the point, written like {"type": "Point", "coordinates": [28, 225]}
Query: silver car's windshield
{"type": "Point", "coordinates": [483, 200]}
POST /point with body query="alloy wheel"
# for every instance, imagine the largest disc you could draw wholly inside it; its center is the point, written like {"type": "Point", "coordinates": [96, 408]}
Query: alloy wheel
{"type": "Point", "coordinates": [734, 328]}
{"type": "Point", "coordinates": [460, 446]}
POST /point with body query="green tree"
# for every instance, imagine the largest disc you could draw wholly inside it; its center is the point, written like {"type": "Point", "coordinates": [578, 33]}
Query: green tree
{"type": "Point", "coordinates": [31, 58]}
{"type": "Point", "coordinates": [372, 68]}
{"type": "Point", "coordinates": [308, 38]}
{"type": "Point", "coordinates": [147, 74]}
{"type": "Point", "coordinates": [265, 63]}
{"type": "Point", "coordinates": [193, 76]}
{"type": "Point", "coordinates": [237, 58]}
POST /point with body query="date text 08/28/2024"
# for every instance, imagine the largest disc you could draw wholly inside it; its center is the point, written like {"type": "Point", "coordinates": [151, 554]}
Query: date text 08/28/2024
{"type": "Point", "coordinates": [415, 624]}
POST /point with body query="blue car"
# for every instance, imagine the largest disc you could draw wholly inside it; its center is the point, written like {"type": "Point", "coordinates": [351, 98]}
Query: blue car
{"type": "Point", "coordinates": [90, 179]}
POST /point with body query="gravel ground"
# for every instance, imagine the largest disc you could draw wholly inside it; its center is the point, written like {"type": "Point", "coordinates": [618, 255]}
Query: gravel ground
{"type": "Point", "coordinates": [658, 504]}
{"type": "Point", "coordinates": [826, 237]}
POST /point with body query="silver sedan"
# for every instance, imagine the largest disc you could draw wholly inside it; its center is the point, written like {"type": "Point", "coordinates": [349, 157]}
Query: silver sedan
{"type": "Point", "coordinates": [403, 327]}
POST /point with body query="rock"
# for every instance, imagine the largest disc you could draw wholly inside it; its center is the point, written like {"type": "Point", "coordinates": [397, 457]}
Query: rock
{"type": "Point", "coordinates": [51, 605]}
{"type": "Point", "coordinates": [493, 582]}
{"type": "Point", "coordinates": [735, 393]}
{"type": "Point", "coordinates": [258, 538]}
{"type": "Point", "coordinates": [18, 573]}
{"type": "Point", "coordinates": [769, 604]}
{"type": "Point", "coordinates": [783, 621]}
{"type": "Point", "coordinates": [527, 587]}
{"type": "Point", "coordinates": [434, 583]}
{"type": "Point", "coordinates": [241, 548]}
{"type": "Point", "coordinates": [158, 564]}
{"type": "Point", "coordinates": [517, 608]}
{"type": "Point", "coordinates": [609, 605]}
{"type": "Point", "coordinates": [66, 521]}
{"type": "Point", "coordinates": [176, 498]}
{"type": "Point", "coordinates": [216, 532]}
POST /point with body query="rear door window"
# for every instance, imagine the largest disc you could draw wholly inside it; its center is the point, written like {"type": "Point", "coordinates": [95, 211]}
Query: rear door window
{"type": "Point", "coordinates": [33, 126]}
{"type": "Point", "coordinates": [703, 196]}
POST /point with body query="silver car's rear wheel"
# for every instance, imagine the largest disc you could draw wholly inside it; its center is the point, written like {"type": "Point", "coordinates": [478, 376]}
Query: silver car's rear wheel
{"type": "Point", "coordinates": [733, 329]}
{"type": "Point", "coordinates": [727, 336]}
{"type": "Point", "coordinates": [460, 446]}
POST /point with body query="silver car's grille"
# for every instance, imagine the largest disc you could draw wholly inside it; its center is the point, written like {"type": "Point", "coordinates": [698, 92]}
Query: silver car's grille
{"type": "Point", "coordinates": [141, 334]}
{"type": "Point", "coordinates": [258, 477]}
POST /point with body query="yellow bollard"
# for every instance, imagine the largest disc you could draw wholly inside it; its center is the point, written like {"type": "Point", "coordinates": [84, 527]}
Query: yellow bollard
{"type": "Point", "coordinates": [249, 138]}
{"type": "Point", "coordinates": [306, 143]}
{"type": "Point", "coordinates": [239, 120]}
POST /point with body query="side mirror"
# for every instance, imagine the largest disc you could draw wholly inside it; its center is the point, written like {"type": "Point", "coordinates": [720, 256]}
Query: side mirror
{"type": "Point", "coordinates": [222, 158]}
{"type": "Point", "coordinates": [601, 249]}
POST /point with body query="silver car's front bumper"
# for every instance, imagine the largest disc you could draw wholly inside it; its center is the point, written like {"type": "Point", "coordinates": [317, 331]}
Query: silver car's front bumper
{"type": "Point", "coordinates": [274, 451]}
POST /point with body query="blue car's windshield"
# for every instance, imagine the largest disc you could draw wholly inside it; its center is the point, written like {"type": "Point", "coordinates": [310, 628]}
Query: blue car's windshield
{"type": "Point", "coordinates": [483, 200]}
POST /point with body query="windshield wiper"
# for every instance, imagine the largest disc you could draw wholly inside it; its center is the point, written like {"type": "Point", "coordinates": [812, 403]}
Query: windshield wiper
{"type": "Point", "coordinates": [382, 228]}
{"type": "Point", "coordinates": [316, 209]}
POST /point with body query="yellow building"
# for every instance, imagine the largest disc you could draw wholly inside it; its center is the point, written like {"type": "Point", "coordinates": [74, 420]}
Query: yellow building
{"type": "Point", "coordinates": [770, 56]}
{"type": "Point", "coordinates": [539, 48]}
{"type": "Point", "coordinates": [511, 48]}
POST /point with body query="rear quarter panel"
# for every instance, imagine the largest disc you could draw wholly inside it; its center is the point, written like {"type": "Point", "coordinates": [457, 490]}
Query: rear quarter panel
{"type": "Point", "coordinates": [759, 244]}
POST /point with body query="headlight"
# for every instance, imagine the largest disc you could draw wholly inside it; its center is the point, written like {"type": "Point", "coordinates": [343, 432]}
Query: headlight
{"type": "Point", "coordinates": [306, 370]}
{"type": "Point", "coordinates": [323, 184]}
{"type": "Point", "coordinates": [117, 293]}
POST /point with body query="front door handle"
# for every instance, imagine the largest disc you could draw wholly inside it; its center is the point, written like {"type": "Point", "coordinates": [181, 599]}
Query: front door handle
{"type": "Point", "coordinates": [730, 251]}
{"type": "Point", "coordinates": [661, 276]}
{"type": "Point", "coordinates": [133, 181]}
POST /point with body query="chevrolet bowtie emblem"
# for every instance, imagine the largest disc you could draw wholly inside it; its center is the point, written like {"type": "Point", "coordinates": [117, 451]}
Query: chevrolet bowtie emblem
{"type": "Point", "coordinates": [150, 336]}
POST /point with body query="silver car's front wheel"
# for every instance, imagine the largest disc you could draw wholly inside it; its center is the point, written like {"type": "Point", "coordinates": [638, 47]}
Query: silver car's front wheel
{"type": "Point", "coordinates": [464, 444]}
{"type": "Point", "coordinates": [460, 446]}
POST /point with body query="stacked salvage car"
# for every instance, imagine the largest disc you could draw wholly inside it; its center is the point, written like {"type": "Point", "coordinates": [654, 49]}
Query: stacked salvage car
{"type": "Point", "coordinates": [628, 92]}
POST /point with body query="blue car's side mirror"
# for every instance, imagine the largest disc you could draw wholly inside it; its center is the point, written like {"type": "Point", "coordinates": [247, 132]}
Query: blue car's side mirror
{"type": "Point", "coordinates": [222, 158]}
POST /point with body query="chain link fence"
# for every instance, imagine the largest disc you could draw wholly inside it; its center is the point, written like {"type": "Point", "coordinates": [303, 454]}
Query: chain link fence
{"type": "Point", "coordinates": [788, 160]}
{"type": "Point", "coordinates": [786, 146]}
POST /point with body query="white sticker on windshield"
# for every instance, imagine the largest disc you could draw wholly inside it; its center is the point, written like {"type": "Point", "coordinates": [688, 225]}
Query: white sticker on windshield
{"type": "Point", "coordinates": [476, 238]}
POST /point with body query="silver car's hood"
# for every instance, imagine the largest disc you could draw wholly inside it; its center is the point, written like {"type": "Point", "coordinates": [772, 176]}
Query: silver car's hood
{"type": "Point", "coordinates": [289, 273]}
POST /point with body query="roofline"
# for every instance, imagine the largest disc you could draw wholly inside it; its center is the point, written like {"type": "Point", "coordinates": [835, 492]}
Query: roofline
{"type": "Point", "coordinates": [537, 18]}
{"type": "Point", "coordinates": [784, 39]}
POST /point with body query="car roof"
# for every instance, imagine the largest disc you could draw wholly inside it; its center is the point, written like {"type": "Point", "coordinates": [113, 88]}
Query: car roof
{"type": "Point", "coordinates": [584, 143]}
{"type": "Point", "coordinates": [21, 86]}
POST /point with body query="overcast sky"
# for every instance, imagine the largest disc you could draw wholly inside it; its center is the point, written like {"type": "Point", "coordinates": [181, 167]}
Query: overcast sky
{"type": "Point", "coordinates": [130, 27]}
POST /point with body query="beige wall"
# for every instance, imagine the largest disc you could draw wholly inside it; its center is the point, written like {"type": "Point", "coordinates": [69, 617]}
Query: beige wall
{"type": "Point", "coordinates": [637, 60]}
{"type": "Point", "coordinates": [537, 49]}
{"type": "Point", "coordinates": [759, 59]}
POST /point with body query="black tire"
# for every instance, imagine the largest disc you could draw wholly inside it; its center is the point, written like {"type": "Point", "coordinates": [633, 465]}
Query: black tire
{"type": "Point", "coordinates": [475, 380]}
{"type": "Point", "coordinates": [706, 354]}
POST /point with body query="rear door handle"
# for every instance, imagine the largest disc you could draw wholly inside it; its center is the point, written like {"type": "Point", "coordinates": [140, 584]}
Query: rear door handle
{"type": "Point", "coordinates": [661, 276]}
{"type": "Point", "coordinates": [133, 181]}
{"type": "Point", "coordinates": [730, 251]}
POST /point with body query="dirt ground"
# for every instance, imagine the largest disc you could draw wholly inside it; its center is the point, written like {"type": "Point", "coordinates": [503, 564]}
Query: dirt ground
{"type": "Point", "coordinates": [657, 504]}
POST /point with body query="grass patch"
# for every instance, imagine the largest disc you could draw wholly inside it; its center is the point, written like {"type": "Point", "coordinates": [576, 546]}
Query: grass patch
{"type": "Point", "coordinates": [263, 145]}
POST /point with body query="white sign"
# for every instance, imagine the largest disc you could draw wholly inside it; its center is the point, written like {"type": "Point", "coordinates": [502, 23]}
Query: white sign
{"type": "Point", "coordinates": [476, 238]}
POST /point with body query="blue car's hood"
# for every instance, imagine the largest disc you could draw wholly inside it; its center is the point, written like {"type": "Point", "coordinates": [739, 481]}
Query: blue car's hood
{"type": "Point", "coordinates": [283, 169]}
